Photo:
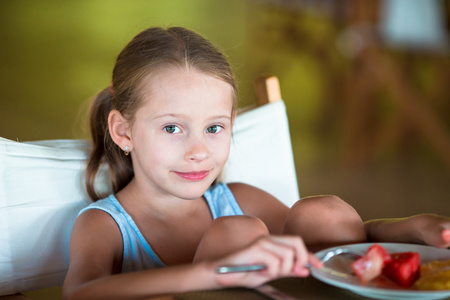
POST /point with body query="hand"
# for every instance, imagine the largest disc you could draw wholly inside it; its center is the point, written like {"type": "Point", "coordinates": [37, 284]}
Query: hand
{"type": "Point", "coordinates": [436, 230]}
{"type": "Point", "coordinates": [283, 255]}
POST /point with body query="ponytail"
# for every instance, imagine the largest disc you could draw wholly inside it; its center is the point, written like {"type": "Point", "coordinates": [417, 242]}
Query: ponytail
{"type": "Point", "coordinates": [104, 149]}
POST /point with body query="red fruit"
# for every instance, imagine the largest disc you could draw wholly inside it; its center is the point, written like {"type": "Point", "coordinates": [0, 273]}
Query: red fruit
{"type": "Point", "coordinates": [404, 268]}
{"type": "Point", "coordinates": [371, 264]}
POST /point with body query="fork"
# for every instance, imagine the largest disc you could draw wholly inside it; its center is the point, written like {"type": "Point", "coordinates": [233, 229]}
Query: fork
{"type": "Point", "coordinates": [355, 254]}
{"type": "Point", "coordinates": [258, 267]}
{"type": "Point", "coordinates": [274, 293]}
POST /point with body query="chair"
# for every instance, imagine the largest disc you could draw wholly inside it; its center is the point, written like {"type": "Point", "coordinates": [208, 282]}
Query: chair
{"type": "Point", "coordinates": [42, 189]}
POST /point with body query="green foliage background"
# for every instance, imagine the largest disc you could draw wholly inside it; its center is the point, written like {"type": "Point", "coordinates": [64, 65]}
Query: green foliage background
{"type": "Point", "coordinates": [56, 55]}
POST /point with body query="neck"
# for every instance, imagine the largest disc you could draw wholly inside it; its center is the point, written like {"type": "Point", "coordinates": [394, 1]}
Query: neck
{"type": "Point", "coordinates": [138, 200]}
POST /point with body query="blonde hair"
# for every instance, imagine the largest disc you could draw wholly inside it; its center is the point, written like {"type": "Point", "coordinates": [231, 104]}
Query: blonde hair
{"type": "Point", "coordinates": [147, 53]}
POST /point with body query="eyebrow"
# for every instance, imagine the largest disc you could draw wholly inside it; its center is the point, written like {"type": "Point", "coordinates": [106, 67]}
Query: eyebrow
{"type": "Point", "coordinates": [182, 116]}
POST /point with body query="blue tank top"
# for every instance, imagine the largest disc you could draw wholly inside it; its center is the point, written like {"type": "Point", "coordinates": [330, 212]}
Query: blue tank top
{"type": "Point", "coordinates": [137, 253]}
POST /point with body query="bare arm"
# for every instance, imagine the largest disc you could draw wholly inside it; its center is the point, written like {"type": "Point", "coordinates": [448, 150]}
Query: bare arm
{"type": "Point", "coordinates": [95, 259]}
{"type": "Point", "coordinates": [426, 229]}
{"type": "Point", "coordinates": [135, 285]}
{"type": "Point", "coordinates": [95, 262]}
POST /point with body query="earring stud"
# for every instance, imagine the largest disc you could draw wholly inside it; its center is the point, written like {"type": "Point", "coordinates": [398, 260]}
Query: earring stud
{"type": "Point", "coordinates": [126, 150]}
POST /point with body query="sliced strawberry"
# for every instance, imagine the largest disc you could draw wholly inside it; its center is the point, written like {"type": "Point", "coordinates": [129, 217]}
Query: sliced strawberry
{"type": "Point", "coordinates": [404, 268]}
{"type": "Point", "coordinates": [386, 256]}
{"type": "Point", "coordinates": [370, 265]}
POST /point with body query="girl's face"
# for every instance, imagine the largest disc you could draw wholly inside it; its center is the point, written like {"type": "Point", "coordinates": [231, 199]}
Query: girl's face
{"type": "Point", "coordinates": [181, 135]}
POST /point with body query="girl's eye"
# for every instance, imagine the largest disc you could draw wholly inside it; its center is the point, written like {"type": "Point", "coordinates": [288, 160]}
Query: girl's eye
{"type": "Point", "coordinates": [214, 129]}
{"type": "Point", "coordinates": [172, 129]}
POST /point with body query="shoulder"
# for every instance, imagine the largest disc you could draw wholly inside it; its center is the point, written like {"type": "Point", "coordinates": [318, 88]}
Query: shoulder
{"type": "Point", "coordinates": [98, 219]}
{"type": "Point", "coordinates": [95, 231]}
{"type": "Point", "coordinates": [95, 248]}
{"type": "Point", "coordinates": [95, 226]}
{"type": "Point", "coordinates": [108, 204]}
{"type": "Point", "coordinates": [256, 202]}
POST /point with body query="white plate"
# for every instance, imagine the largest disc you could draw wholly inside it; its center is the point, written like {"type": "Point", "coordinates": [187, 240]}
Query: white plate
{"type": "Point", "coordinates": [337, 272]}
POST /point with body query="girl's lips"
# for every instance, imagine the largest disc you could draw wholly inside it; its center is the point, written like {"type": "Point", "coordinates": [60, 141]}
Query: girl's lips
{"type": "Point", "coordinates": [193, 176]}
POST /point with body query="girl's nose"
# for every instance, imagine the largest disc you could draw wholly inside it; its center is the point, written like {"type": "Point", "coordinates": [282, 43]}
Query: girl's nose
{"type": "Point", "coordinates": [197, 151]}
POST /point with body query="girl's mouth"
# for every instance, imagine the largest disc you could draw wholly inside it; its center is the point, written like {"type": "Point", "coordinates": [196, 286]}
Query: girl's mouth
{"type": "Point", "coordinates": [193, 176]}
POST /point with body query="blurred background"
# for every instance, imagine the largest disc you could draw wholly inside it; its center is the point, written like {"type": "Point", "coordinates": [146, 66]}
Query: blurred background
{"type": "Point", "coordinates": [366, 83]}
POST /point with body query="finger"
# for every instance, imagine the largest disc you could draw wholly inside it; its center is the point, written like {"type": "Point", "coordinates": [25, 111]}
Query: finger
{"type": "Point", "coordinates": [315, 262]}
{"type": "Point", "coordinates": [275, 257]}
{"type": "Point", "coordinates": [284, 252]}
{"type": "Point", "coordinates": [304, 270]}
{"type": "Point", "coordinates": [446, 236]}
{"type": "Point", "coordinates": [250, 255]}
{"type": "Point", "coordinates": [297, 244]}
{"type": "Point", "coordinates": [296, 253]}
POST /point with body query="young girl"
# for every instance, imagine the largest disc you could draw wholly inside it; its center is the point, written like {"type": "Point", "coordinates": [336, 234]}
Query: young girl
{"type": "Point", "coordinates": [164, 128]}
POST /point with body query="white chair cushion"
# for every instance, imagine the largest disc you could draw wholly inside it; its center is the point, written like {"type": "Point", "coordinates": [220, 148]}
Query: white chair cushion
{"type": "Point", "coordinates": [42, 191]}
{"type": "Point", "coordinates": [261, 152]}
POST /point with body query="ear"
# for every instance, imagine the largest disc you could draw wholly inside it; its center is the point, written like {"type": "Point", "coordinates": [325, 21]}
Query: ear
{"type": "Point", "coordinates": [119, 130]}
